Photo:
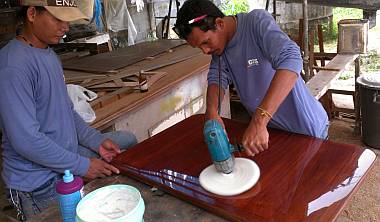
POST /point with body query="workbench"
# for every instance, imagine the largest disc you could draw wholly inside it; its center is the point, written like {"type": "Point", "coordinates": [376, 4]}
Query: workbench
{"type": "Point", "coordinates": [177, 90]}
{"type": "Point", "coordinates": [302, 178]}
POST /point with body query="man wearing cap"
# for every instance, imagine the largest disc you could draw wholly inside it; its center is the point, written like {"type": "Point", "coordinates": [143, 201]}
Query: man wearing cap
{"type": "Point", "coordinates": [250, 51]}
{"type": "Point", "coordinates": [42, 135]}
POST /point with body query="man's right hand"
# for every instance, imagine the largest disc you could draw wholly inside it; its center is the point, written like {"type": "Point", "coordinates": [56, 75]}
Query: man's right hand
{"type": "Point", "coordinates": [99, 168]}
{"type": "Point", "coordinates": [216, 117]}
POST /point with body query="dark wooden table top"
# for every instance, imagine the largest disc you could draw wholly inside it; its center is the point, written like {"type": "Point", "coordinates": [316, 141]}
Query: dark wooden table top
{"type": "Point", "coordinates": [302, 178]}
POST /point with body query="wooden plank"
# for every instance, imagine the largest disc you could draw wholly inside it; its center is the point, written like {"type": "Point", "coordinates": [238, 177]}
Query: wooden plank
{"type": "Point", "coordinates": [182, 54]}
{"type": "Point", "coordinates": [114, 85]}
{"type": "Point", "coordinates": [125, 89]}
{"type": "Point", "coordinates": [75, 77]}
{"type": "Point", "coordinates": [79, 80]}
{"type": "Point", "coordinates": [342, 92]}
{"type": "Point", "coordinates": [110, 95]}
{"type": "Point", "coordinates": [320, 83]}
{"type": "Point", "coordinates": [301, 178]}
{"type": "Point", "coordinates": [175, 73]}
{"type": "Point", "coordinates": [154, 78]}
{"type": "Point", "coordinates": [318, 68]}
{"type": "Point", "coordinates": [324, 55]}
{"type": "Point", "coordinates": [92, 48]}
{"type": "Point", "coordinates": [111, 61]}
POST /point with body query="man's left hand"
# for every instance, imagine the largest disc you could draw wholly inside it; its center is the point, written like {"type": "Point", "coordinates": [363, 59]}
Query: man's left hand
{"type": "Point", "coordinates": [108, 150]}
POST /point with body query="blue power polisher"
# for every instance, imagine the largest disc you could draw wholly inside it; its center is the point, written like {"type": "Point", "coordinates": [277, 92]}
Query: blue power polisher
{"type": "Point", "coordinates": [219, 147]}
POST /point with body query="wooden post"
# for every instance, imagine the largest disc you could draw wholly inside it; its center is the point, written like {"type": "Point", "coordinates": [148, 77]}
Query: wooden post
{"type": "Point", "coordinates": [357, 129]}
{"type": "Point", "coordinates": [320, 43]}
{"type": "Point", "coordinates": [311, 53]}
{"type": "Point", "coordinates": [167, 33]}
{"type": "Point", "coordinates": [306, 41]}
{"type": "Point", "coordinates": [300, 33]}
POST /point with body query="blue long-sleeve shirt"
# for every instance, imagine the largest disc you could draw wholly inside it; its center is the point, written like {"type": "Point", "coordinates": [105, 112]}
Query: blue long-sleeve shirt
{"type": "Point", "coordinates": [250, 61]}
{"type": "Point", "coordinates": [41, 131]}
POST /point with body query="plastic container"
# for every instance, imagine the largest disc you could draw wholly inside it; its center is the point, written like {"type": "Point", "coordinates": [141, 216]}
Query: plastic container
{"type": "Point", "coordinates": [114, 203]}
{"type": "Point", "coordinates": [370, 108]}
{"type": "Point", "coordinates": [70, 192]}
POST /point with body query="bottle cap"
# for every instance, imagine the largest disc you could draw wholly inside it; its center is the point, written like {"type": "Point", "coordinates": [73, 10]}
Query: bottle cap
{"type": "Point", "coordinates": [68, 177]}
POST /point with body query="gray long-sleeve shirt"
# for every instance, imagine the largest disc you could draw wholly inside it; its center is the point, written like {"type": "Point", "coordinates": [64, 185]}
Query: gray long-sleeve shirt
{"type": "Point", "coordinates": [41, 131]}
{"type": "Point", "coordinates": [250, 60]}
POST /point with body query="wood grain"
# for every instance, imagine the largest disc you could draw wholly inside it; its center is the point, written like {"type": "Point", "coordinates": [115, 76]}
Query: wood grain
{"type": "Point", "coordinates": [321, 82]}
{"type": "Point", "coordinates": [302, 178]}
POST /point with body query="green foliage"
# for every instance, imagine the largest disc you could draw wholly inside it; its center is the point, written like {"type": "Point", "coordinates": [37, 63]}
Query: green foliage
{"type": "Point", "coordinates": [370, 62]}
{"type": "Point", "coordinates": [347, 75]}
{"type": "Point", "coordinates": [347, 13]}
{"type": "Point", "coordinates": [235, 6]}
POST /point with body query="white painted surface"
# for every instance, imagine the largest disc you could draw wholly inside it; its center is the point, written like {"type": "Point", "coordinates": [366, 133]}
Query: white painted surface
{"type": "Point", "coordinates": [182, 101]}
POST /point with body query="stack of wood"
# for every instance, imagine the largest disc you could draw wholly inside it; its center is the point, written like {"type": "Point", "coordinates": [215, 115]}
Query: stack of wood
{"type": "Point", "coordinates": [115, 74]}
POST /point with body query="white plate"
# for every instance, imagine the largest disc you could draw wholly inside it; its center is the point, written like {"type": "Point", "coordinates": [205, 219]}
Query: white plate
{"type": "Point", "coordinates": [244, 176]}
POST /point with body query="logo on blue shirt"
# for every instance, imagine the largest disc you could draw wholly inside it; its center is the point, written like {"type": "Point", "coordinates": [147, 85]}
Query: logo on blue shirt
{"type": "Point", "coordinates": [253, 62]}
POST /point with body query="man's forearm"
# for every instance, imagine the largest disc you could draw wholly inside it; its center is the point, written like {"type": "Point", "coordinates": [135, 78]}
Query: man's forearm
{"type": "Point", "coordinates": [212, 99]}
{"type": "Point", "coordinates": [87, 136]}
{"type": "Point", "coordinates": [280, 87]}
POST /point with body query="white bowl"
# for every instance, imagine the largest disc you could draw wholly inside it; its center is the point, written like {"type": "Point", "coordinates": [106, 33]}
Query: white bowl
{"type": "Point", "coordinates": [114, 203]}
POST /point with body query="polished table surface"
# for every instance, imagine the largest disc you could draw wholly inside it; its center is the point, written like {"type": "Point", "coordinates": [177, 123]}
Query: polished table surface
{"type": "Point", "coordinates": [302, 178]}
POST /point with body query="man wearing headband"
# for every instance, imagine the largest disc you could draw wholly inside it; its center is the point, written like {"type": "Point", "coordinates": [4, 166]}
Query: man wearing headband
{"type": "Point", "coordinates": [250, 51]}
{"type": "Point", "coordinates": [42, 134]}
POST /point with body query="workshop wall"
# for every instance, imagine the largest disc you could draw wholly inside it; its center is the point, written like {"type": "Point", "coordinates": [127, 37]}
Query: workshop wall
{"type": "Point", "coordinates": [141, 20]}
{"type": "Point", "coordinates": [8, 23]}
{"type": "Point", "coordinates": [290, 13]}
{"type": "Point", "coordinates": [146, 21]}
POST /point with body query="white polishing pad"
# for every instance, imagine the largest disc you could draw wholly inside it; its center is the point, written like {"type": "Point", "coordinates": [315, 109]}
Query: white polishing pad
{"type": "Point", "coordinates": [245, 174]}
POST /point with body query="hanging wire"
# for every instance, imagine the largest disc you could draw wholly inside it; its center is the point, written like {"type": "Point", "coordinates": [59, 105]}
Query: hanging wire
{"type": "Point", "coordinates": [220, 85]}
